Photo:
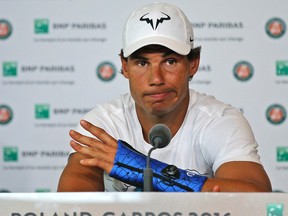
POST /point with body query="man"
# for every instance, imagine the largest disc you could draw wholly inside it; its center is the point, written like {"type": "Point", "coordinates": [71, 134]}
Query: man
{"type": "Point", "coordinates": [212, 146]}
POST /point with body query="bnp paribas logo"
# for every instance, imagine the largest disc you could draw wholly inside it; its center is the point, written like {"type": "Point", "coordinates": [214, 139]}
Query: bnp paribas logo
{"type": "Point", "coordinates": [282, 154]}
{"type": "Point", "coordinates": [41, 26]}
{"type": "Point", "coordinates": [42, 111]}
{"type": "Point", "coordinates": [243, 71]}
{"type": "Point", "coordinates": [10, 153]}
{"type": "Point", "coordinates": [5, 29]}
{"type": "Point", "coordinates": [9, 69]}
{"type": "Point", "coordinates": [275, 209]}
{"type": "Point", "coordinates": [6, 114]}
{"type": "Point", "coordinates": [275, 28]}
{"type": "Point", "coordinates": [41, 190]}
{"type": "Point", "coordinates": [276, 114]}
{"type": "Point", "coordinates": [106, 71]}
{"type": "Point", "coordinates": [282, 68]}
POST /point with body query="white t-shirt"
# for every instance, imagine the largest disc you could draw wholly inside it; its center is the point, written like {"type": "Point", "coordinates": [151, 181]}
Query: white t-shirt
{"type": "Point", "coordinates": [212, 133]}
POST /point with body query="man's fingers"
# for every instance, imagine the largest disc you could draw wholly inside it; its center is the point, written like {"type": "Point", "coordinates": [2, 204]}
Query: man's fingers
{"type": "Point", "coordinates": [99, 133]}
{"type": "Point", "coordinates": [91, 152]}
{"type": "Point", "coordinates": [89, 141]}
{"type": "Point", "coordinates": [92, 142]}
{"type": "Point", "coordinates": [99, 150]}
{"type": "Point", "coordinates": [216, 188]}
{"type": "Point", "coordinates": [96, 158]}
{"type": "Point", "coordinates": [103, 164]}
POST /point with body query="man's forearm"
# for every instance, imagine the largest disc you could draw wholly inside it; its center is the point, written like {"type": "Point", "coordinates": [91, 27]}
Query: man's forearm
{"type": "Point", "coordinates": [231, 185]}
{"type": "Point", "coordinates": [76, 177]}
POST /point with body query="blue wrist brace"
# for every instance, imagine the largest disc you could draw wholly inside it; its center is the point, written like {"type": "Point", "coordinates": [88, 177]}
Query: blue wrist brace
{"type": "Point", "coordinates": [129, 165]}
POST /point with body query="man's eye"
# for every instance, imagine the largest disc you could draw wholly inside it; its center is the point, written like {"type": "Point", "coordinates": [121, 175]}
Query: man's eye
{"type": "Point", "coordinates": [141, 63]}
{"type": "Point", "coordinates": [170, 61]}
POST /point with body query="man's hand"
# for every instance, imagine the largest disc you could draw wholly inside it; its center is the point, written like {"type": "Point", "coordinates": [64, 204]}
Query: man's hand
{"type": "Point", "coordinates": [100, 152]}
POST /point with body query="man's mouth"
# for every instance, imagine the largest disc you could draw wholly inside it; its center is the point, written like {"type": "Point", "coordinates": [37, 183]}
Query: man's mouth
{"type": "Point", "coordinates": [158, 95]}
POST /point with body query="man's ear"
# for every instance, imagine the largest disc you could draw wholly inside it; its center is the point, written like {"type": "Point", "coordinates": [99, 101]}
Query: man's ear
{"type": "Point", "coordinates": [194, 64]}
{"type": "Point", "coordinates": [124, 67]}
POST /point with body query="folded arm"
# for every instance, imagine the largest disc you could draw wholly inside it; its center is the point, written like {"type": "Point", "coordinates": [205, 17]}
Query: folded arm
{"type": "Point", "coordinates": [84, 171]}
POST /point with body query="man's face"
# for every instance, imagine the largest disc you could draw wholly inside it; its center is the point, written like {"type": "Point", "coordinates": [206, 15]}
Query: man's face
{"type": "Point", "coordinates": [159, 81]}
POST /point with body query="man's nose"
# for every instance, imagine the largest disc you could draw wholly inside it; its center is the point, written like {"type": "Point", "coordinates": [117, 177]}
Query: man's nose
{"type": "Point", "coordinates": [156, 75]}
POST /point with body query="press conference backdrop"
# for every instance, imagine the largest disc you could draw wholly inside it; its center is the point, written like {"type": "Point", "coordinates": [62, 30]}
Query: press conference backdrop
{"type": "Point", "coordinates": [59, 58]}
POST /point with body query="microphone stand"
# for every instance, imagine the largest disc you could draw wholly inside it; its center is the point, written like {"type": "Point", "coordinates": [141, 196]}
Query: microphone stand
{"type": "Point", "coordinates": [148, 172]}
{"type": "Point", "coordinates": [159, 137]}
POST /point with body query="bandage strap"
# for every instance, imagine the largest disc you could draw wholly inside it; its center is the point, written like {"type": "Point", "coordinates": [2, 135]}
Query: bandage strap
{"type": "Point", "coordinates": [129, 165]}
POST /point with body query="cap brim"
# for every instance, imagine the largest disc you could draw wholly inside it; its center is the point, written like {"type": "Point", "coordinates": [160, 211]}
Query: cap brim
{"type": "Point", "coordinates": [176, 46]}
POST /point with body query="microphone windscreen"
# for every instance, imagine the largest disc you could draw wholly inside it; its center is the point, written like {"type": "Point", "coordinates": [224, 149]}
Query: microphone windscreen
{"type": "Point", "coordinates": [161, 133]}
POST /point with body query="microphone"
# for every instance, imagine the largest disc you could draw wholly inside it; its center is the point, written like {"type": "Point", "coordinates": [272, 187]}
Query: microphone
{"type": "Point", "coordinates": [159, 136]}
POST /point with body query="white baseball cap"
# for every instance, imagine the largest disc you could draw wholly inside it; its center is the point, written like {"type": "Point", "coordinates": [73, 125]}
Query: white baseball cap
{"type": "Point", "coordinates": [158, 23]}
